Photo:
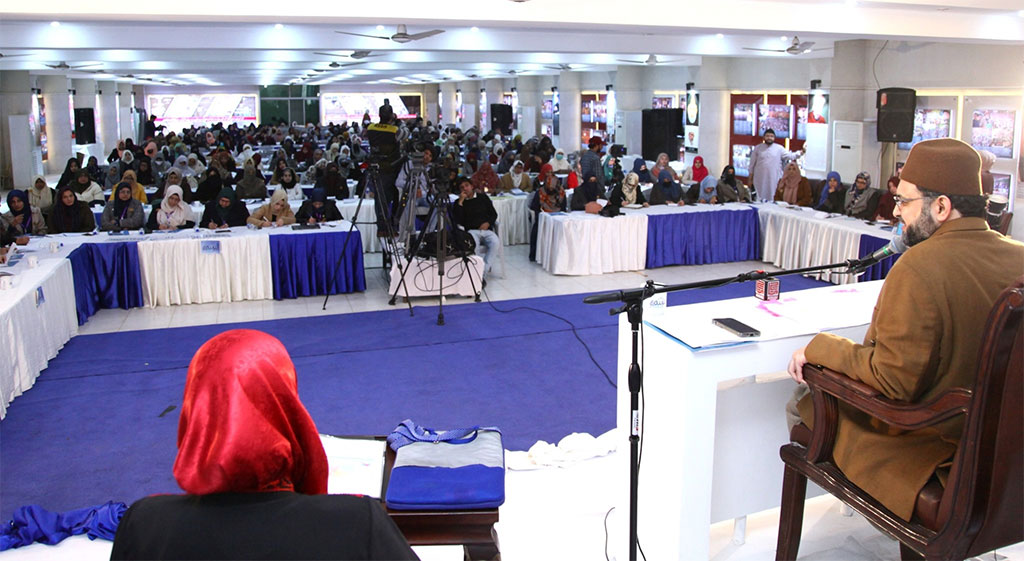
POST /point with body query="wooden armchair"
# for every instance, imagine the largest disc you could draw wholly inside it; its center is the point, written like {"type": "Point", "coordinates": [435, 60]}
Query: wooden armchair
{"type": "Point", "coordinates": [982, 506]}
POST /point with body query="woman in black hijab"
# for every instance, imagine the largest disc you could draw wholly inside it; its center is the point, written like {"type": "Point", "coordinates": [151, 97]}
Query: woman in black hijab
{"type": "Point", "coordinates": [145, 175]}
{"type": "Point", "coordinates": [70, 172]}
{"type": "Point", "coordinates": [210, 187]}
{"type": "Point", "coordinates": [225, 211]}
{"type": "Point", "coordinates": [333, 183]}
{"type": "Point", "coordinates": [70, 214]}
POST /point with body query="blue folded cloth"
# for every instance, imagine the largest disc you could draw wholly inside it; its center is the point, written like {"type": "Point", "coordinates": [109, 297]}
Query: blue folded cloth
{"type": "Point", "coordinates": [34, 523]}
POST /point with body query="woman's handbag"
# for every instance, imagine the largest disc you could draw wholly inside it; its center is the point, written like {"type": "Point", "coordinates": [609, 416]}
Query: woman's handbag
{"type": "Point", "coordinates": [446, 470]}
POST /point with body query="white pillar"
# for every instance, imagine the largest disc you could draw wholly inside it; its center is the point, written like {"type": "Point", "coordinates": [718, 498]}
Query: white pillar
{"type": "Point", "coordinates": [530, 101]}
{"type": "Point", "coordinates": [630, 99]}
{"type": "Point", "coordinates": [15, 99]}
{"type": "Point", "coordinates": [495, 94]}
{"type": "Point", "coordinates": [106, 116]}
{"type": "Point", "coordinates": [470, 103]}
{"type": "Point", "coordinates": [430, 97]}
{"type": "Point", "coordinates": [124, 104]}
{"type": "Point", "coordinates": [712, 82]}
{"type": "Point", "coordinates": [58, 121]}
{"type": "Point", "coordinates": [570, 130]}
{"type": "Point", "coordinates": [85, 98]}
{"type": "Point", "coordinates": [448, 108]}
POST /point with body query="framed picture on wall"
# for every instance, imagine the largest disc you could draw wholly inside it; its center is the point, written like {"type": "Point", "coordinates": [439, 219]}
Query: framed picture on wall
{"type": "Point", "coordinates": [779, 118]}
{"type": "Point", "coordinates": [663, 102]}
{"type": "Point", "coordinates": [992, 130]}
{"type": "Point", "coordinates": [743, 119]}
{"type": "Point", "coordinates": [741, 159]}
{"type": "Point", "coordinates": [929, 124]}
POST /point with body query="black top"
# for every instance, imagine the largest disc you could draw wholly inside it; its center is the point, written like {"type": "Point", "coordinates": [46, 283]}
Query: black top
{"type": "Point", "coordinates": [237, 214]}
{"type": "Point", "coordinates": [327, 213]}
{"type": "Point", "coordinates": [586, 193]}
{"type": "Point", "coordinates": [334, 187]}
{"type": "Point", "coordinates": [280, 525]}
{"type": "Point", "coordinates": [615, 199]}
{"type": "Point", "coordinates": [835, 201]}
{"type": "Point", "coordinates": [474, 212]}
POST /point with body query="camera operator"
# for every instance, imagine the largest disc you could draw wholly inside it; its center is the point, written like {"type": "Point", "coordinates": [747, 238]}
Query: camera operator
{"type": "Point", "coordinates": [413, 184]}
{"type": "Point", "coordinates": [385, 155]}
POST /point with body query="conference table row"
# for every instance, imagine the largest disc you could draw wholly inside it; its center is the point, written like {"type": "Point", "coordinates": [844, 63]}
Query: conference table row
{"type": "Point", "coordinates": [578, 243]}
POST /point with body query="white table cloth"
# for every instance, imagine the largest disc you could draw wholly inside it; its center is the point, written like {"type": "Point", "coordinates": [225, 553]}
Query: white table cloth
{"type": "Point", "coordinates": [31, 332]}
{"type": "Point", "coordinates": [175, 269]}
{"type": "Point", "coordinates": [578, 243]}
{"type": "Point", "coordinates": [422, 279]}
{"type": "Point", "coordinates": [712, 429]}
{"type": "Point", "coordinates": [513, 218]}
{"type": "Point", "coordinates": [802, 237]}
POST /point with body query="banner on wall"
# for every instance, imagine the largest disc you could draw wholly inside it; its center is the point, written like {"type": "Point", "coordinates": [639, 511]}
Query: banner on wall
{"type": "Point", "coordinates": [691, 122]}
{"type": "Point", "coordinates": [663, 102]}
{"type": "Point", "coordinates": [992, 130]}
{"type": "Point", "coordinates": [181, 111]}
{"type": "Point", "coordinates": [337, 107]}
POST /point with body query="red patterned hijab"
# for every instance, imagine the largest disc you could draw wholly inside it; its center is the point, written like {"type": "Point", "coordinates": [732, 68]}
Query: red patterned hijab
{"type": "Point", "coordinates": [242, 427]}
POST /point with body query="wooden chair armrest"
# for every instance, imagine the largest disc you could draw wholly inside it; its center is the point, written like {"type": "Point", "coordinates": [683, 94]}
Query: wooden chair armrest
{"type": "Point", "coordinates": [899, 414]}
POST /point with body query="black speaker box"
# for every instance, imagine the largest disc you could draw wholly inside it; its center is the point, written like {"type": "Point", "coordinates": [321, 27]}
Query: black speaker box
{"type": "Point", "coordinates": [896, 114]}
{"type": "Point", "coordinates": [85, 126]}
{"type": "Point", "coordinates": [661, 130]}
{"type": "Point", "coordinates": [501, 118]}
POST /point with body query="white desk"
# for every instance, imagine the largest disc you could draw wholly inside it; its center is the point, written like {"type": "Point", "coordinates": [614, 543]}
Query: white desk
{"type": "Point", "coordinates": [578, 243]}
{"type": "Point", "coordinates": [710, 453]}
{"type": "Point", "coordinates": [513, 218]}
{"type": "Point", "coordinates": [32, 332]}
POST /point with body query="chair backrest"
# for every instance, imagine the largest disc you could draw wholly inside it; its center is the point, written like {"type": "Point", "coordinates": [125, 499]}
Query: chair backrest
{"type": "Point", "coordinates": [1004, 223]}
{"type": "Point", "coordinates": [985, 490]}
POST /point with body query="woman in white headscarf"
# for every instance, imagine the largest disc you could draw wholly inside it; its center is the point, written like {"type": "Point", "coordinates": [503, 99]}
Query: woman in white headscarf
{"type": "Point", "coordinates": [514, 179]}
{"type": "Point", "coordinates": [174, 212]}
{"type": "Point", "coordinates": [40, 195]}
{"type": "Point", "coordinates": [560, 164]}
{"type": "Point", "coordinates": [197, 166]}
{"type": "Point", "coordinates": [244, 155]}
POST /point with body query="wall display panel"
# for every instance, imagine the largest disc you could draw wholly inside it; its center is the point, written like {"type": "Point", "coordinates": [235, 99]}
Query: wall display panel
{"type": "Point", "coordinates": [741, 159]}
{"type": "Point", "coordinates": [547, 108]}
{"type": "Point", "coordinates": [691, 121]}
{"type": "Point", "coordinates": [929, 124]}
{"type": "Point", "coordinates": [593, 116]}
{"type": "Point", "coordinates": [179, 111]}
{"type": "Point", "coordinates": [663, 102]}
{"type": "Point", "coordinates": [336, 107]}
{"type": "Point", "coordinates": [743, 119]}
{"type": "Point", "coordinates": [992, 130]}
{"type": "Point", "coordinates": [777, 117]}
{"type": "Point", "coordinates": [743, 129]}
{"type": "Point", "coordinates": [1001, 183]}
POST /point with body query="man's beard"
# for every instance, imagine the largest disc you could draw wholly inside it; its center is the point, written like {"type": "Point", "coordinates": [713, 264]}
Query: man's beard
{"type": "Point", "coordinates": [769, 142]}
{"type": "Point", "coordinates": [920, 231]}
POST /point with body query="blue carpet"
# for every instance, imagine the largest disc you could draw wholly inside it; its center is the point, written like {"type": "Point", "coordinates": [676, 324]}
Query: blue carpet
{"type": "Point", "coordinates": [101, 422]}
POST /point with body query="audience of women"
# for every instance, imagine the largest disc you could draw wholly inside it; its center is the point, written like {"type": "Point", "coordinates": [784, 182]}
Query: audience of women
{"type": "Point", "coordinates": [254, 471]}
{"type": "Point", "coordinates": [833, 194]}
{"type": "Point", "coordinates": [225, 211]}
{"type": "Point", "coordinates": [887, 201]}
{"type": "Point", "coordinates": [93, 167]}
{"type": "Point", "coordinates": [560, 164]}
{"type": "Point", "coordinates": [277, 212]}
{"type": "Point", "coordinates": [21, 217]}
{"type": "Point", "coordinates": [210, 186]}
{"type": "Point", "coordinates": [628, 192]}
{"type": "Point", "coordinates": [317, 209]}
{"type": "Point", "coordinates": [70, 214]}
{"type": "Point", "coordinates": [87, 190]}
{"type": "Point", "coordinates": [174, 212]}
{"type": "Point", "coordinates": [41, 196]}
{"type": "Point", "coordinates": [707, 191]}
{"type": "Point", "coordinates": [731, 189]}
{"type": "Point", "coordinates": [138, 191]}
{"type": "Point", "coordinates": [485, 179]}
{"type": "Point", "coordinates": [793, 188]}
{"type": "Point", "coordinates": [290, 184]}
{"type": "Point", "coordinates": [516, 178]}
{"type": "Point", "coordinates": [252, 185]}
{"type": "Point", "coordinates": [861, 199]}
{"type": "Point", "coordinates": [67, 177]}
{"type": "Point", "coordinates": [641, 171]}
{"type": "Point", "coordinates": [666, 191]}
{"type": "Point", "coordinates": [123, 212]}
{"type": "Point", "coordinates": [145, 174]}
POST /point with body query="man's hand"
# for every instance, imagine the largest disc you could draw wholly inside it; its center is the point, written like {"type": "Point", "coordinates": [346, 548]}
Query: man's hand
{"type": "Point", "coordinates": [796, 365]}
{"type": "Point", "coordinates": [485, 226]}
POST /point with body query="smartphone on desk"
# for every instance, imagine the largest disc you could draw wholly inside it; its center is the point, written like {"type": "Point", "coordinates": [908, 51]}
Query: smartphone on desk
{"type": "Point", "coordinates": [736, 327]}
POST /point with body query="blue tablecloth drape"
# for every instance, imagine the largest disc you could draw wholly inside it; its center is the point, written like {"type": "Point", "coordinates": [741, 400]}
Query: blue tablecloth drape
{"type": "Point", "coordinates": [303, 265]}
{"type": "Point", "coordinates": [697, 238]}
{"type": "Point", "coordinates": [878, 271]}
{"type": "Point", "coordinates": [106, 275]}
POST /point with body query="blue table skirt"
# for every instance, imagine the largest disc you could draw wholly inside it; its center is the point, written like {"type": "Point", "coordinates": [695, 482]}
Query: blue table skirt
{"type": "Point", "coordinates": [302, 265]}
{"type": "Point", "coordinates": [878, 271]}
{"type": "Point", "coordinates": [697, 238]}
{"type": "Point", "coordinates": [106, 275]}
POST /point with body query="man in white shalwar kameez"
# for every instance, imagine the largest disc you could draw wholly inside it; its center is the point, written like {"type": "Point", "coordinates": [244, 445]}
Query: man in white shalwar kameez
{"type": "Point", "coordinates": [766, 161]}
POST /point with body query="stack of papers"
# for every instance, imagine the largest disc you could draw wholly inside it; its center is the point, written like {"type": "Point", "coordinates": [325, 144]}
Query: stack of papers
{"type": "Point", "coordinates": [356, 465]}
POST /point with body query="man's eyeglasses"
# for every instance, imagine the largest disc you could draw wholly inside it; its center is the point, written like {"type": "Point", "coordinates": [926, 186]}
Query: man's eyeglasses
{"type": "Point", "coordinates": [900, 201]}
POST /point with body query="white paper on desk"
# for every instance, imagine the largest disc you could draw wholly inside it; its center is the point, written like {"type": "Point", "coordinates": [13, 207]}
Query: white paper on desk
{"type": "Point", "coordinates": [634, 205]}
{"type": "Point", "coordinates": [356, 465]}
{"type": "Point", "coordinates": [697, 331]}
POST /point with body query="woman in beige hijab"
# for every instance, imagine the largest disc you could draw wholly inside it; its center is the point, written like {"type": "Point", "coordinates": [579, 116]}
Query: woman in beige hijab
{"type": "Point", "coordinates": [793, 188]}
{"type": "Point", "coordinates": [278, 212]}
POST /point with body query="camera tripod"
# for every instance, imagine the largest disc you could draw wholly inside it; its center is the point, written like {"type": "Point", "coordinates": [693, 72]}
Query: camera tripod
{"type": "Point", "coordinates": [389, 245]}
{"type": "Point", "coordinates": [438, 216]}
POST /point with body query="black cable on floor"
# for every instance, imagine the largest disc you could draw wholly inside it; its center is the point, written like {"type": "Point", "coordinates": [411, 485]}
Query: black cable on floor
{"type": "Point", "coordinates": [556, 316]}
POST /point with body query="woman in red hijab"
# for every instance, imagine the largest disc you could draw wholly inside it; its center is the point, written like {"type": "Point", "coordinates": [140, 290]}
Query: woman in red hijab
{"type": "Point", "coordinates": [485, 179]}
{"type": "Point", "coordinates": [697, 172]}
{"type": "Point", "coordinates": [251, 461]}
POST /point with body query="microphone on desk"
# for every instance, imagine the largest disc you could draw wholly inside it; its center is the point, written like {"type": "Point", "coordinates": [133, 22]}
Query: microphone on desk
{"type": "Point", "coordinates": [896, 245]}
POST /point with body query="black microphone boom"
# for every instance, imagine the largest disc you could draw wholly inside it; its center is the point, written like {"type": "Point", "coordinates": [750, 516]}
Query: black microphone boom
{"type": "Point", "coordinates": [858, 266]}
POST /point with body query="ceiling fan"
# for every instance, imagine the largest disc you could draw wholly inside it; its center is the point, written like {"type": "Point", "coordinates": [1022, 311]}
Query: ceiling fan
{"type": "Point", "coordinates": [64, 66]}
{"type": "Point", "coordinates": [400, 36]}
{"type": "Point", "coordinates": [795, 48]}
{"type": "Point", "coordinates": [560, 66]}
{"type": "Point", "coordinates": [9, 56]}
{"type": "Point", "coordinates": [651, 60]}
{"type": "Point", "coordinates": [355, 54]}
{"type": "Point", "coordinates": [340, 65]}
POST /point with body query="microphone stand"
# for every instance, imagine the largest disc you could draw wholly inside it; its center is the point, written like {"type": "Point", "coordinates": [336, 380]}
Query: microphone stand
{"type": "Point", "coordinates": [632, 304]}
